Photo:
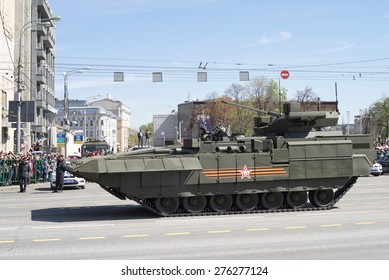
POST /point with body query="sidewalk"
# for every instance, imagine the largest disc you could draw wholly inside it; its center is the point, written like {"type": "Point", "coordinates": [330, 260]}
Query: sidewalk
{"type": "Point", "coordinates": [16, 188]}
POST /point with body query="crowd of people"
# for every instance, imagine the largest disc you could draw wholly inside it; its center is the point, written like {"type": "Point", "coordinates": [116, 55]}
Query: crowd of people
{"type": "Point", "coordinates": [382, 148]}
{"type": "Point", "coordinates": [40, 167]}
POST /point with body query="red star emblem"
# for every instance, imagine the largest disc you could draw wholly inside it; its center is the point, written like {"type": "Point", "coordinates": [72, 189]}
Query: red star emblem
{"type": "Point", "coordinates": [245, 172]}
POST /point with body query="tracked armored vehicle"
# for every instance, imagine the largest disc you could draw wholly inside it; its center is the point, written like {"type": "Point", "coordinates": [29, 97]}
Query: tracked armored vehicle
{"type": "Point", "coordinates": [290, 164]}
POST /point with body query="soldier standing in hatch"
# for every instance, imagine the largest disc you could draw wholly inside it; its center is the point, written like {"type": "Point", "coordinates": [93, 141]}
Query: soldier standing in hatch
{"type": "Point", "coordinates": [24, 174]}
{"type": "Point", "coordinates": [60, 174]}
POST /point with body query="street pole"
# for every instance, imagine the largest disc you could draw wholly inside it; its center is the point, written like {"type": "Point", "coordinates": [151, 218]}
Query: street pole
{"type": "Point", "coordinates": [65, 112]}
{"type": "Point", "coordinates": [85, 122]}
{"type": "Point", "coordinates": [66, 121]}
{"type": "Point", "coordinates": [24, 28]}
{"type": "Point", "coordinates": [279, 94]}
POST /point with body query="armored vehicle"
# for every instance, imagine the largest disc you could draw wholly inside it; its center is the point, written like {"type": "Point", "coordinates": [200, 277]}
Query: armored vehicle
{"type": "Point", "coordinates": [291, 163]}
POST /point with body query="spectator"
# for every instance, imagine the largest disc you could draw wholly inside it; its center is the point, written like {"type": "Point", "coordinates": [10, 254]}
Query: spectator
{"type": "Point", "coordinates": [148, 135]}
{"type": "Point", "coordinates": [140, 138]}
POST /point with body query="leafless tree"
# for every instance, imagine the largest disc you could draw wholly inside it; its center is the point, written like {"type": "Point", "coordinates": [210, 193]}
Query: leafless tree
{"type": "Point", "coordinates": [307, 98]}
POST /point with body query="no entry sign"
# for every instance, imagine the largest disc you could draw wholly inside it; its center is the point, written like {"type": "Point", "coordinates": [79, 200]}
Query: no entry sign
{"type": "Point", "coordinates": [284, 74]}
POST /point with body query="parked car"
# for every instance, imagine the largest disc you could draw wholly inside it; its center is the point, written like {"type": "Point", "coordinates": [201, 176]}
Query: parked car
{"type": "Point", "coordinates": [384, 161]}
{"type": "Point", "coordinates": [376, 169]}
{"type": "Point", "coordinates": [69, 181]}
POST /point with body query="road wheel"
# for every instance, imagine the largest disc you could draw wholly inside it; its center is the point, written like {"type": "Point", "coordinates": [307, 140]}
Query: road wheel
{"type": "Point", "coordinates": [167, 205]}
{"type": "Point", "coordinates": [246, 202]}
{"type": "Point", "coordinates": [321, 198]}
{"type": "Point", "coordinates": [221, 202]}
{"type": "Point", "coordinates": [272, 200]}
{"type": "Point", "coordinates": [296, 199]}
{"type": "Point", "coordinates": [194, 204]}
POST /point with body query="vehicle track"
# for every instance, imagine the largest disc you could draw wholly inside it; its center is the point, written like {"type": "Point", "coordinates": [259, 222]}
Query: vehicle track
{"type": "Point", "coordinates": [339, 193]}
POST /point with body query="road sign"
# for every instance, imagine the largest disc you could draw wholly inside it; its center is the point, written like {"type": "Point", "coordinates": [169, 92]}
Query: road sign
{"type": "Point", "coordinates": [284, 74]}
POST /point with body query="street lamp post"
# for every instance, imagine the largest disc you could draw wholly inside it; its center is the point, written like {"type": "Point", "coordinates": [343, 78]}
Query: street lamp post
{"type": "Point", "coordinates": [66, 102]}
{"type": "Point", "coordinates": [24, 28]}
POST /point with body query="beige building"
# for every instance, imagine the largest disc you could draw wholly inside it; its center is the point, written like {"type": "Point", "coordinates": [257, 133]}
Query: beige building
{"type": "Point", "coordinates": [122, 112]}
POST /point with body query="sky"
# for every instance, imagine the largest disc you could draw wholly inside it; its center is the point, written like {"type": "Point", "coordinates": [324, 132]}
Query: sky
{"type": "Point", "coordinates": [319, 43]}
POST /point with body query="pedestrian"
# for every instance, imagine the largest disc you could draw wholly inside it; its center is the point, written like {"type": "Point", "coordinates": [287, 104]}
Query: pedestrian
{"type": "Point", "coordinates": [148, 134]}
{"type": "Point", "coordinates": [24, 173]}
{"type": "Point", "coordinates": [60, 174]}
{"type": "Point", "coordinates": [140, 138]}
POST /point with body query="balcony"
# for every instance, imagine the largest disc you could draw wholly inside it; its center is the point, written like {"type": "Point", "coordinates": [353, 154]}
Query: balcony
{"type": "Point", "coordinates": [48, 41]}
{"type": "Point", "coordinates": [41, 30]}
{"type": "Point", "coordinates": [40, 104]}
{"type": "Point", "coordinates": [43, 8]}
{"type": "Point", "coordinates": [40, 78]}
{"type": "Point", "coordinates": [40, 54]}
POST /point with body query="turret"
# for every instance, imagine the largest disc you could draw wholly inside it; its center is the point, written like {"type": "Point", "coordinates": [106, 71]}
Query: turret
{"type": "Point", "coordinates": [293, 123]}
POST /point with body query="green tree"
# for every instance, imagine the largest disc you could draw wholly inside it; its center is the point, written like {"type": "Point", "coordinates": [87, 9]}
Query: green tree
{"type": "Point", "coordinates": [132, 137]}
{"type": "Point", "coordinates": [379, 117]}
{"type": "Point", "coordinates": [242, 123]}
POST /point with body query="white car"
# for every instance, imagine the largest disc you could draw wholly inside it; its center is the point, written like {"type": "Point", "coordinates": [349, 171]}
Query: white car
{"type": "Point", "coordinates": [69, 181]}
{"type": "Point", "coordinates": [376, 169]}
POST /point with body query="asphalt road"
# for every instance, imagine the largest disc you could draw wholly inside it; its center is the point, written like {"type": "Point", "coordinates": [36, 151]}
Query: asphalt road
{"type": "Point", "coordinates": [92, 224]}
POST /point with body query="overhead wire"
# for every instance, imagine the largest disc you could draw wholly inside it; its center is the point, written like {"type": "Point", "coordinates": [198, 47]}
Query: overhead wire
{"type": "Point", "coordinates": [187, 69]}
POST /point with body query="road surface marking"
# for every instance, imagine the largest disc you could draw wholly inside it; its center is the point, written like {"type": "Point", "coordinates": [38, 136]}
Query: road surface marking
{"type": "Point", "coordinates": [331, 225]}
{"type": "Point", "coordinates": [219, 231]}
{"type": "Point", "coordinates": [6, 241]}
{"type": "Point", "coordinates": [135, 235]}
{"type": "Point", "coordinates": [257, 229]}
{"type": "Point", "coordinates": [296, 227]}
{"type": "Point", "coordinates": [178, 233]}
{"type": "Point", "coordinates": [91, 237]}
{"type": "Point", "coordinates": [47, 240]}
{"type": "Point", "coordinates": [365, 223]}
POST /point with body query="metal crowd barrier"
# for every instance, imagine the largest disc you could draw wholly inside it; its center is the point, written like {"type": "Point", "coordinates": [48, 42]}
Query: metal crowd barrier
{"type": "Point", "coordinates": [40, 172]}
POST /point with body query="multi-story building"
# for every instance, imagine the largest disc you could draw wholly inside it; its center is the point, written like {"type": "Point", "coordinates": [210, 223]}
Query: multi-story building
{"type": "Point", "coordinates": [103, 119]}
{"type": "Point", "coordinates": [7, 70]}
{"type": "Point", "coordinates": [122, 113]}
{"type": "Point", "coordinates": [42, 86]}
{"type": "Point", "coordinates": [27, 55]}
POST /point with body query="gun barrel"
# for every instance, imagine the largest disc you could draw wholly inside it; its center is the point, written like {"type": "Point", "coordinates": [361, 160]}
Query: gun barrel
{"type": "Point", "coordinates": [275, 114]}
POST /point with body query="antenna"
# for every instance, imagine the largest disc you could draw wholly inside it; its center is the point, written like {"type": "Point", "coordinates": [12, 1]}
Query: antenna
{"type": "Point", "coordinates": [336, 97]}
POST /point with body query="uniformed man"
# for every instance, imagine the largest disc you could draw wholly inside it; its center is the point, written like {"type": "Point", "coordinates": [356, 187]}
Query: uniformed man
{"type": "Point", "coordinates": [24, 174]}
